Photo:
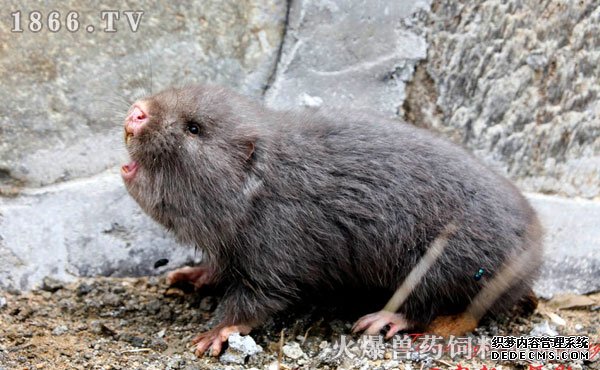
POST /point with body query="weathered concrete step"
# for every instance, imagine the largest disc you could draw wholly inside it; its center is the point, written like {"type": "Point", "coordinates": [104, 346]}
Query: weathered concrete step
{"type": "Point", "coordinates": [572, 244]}
{"type": "Point", "coordinates": [83, 227]}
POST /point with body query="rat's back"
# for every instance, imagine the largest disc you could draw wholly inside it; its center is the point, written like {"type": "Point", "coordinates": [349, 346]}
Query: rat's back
{"type": "Point", "coordinates": [361, 198]}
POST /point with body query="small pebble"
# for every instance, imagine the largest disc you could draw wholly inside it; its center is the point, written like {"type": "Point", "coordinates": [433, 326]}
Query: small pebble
{"type": "Point", "coordinates": [578, 327]}
{"type": "Point", "coordinates": [393, 364]}
{"type": "Point", "coordinates": [2, 302]}
{"type": "Point", "coordinates": [153, 306]}
{"type": "Point", "coordinates": [111, 299]}
{"type": "Point", "coordinates": [83, 289]}
{"type": "Point", "coordinates": [557, 319]}
{"type": "Point", "coordinates": [293, 350]}
{"type": "Point", "coordinates": [240, 348]}
{"type": "Point", "coordinates": [119, 289]}
{"type": "Point", "coordinates": [60, 330]}
{"type": "Point", "coordinates": [158, 344]}
{"type": "Point", "coordinates": [175, 363]}
{"type": "Point", "coordinates": [543, 329]}
{"type": "Point", "coordinates": [133, 340]}
{"type": "Point", "coordinates": [96, 327]}
{"type": "Point", "coordinates": [51, 285]}
{"type": "Point", "coordinates": [153, 281]}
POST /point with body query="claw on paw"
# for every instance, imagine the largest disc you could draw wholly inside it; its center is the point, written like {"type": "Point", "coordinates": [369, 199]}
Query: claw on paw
{"type": "Point", "coordinates": [213, 339]}
{"type": "Point", "coordinates": [373, 323]}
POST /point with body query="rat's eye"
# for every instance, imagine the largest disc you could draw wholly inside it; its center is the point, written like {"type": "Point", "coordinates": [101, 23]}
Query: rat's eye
{"type": "Point", "coordinates": [193, 128]}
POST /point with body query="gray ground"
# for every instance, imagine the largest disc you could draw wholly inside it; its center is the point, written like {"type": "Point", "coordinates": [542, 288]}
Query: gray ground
{"type": "Point", "coordinates": [140, 323]}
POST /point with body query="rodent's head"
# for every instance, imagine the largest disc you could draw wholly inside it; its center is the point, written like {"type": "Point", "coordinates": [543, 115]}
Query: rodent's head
{"type": "Point", "coordinates": [190, 152]}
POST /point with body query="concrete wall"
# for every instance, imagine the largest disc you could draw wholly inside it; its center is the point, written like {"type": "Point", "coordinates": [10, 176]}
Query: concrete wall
{"type": "Point", "coordinates": [514, 81]}
{"type": "Point", "coordinates": [64, 210]}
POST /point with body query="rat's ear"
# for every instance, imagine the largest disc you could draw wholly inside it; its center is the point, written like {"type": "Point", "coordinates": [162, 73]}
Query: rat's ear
{"type": "Point", "coordinates": [246, 148]}
{"type": "Point", "coordinates": [245, 141]}
{"type": "Point", "coordinates": [249, 149]}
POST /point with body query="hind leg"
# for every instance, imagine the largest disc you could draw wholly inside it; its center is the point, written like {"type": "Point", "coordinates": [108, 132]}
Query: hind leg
{"type": "Point", "coordinates": [445, 326]}
{"type": "Point", "coordinates": [466, 322]}
{"type": "Point", "coordinates": [373, 323]}
{"type": "Point", "coordinates": [456, 325]}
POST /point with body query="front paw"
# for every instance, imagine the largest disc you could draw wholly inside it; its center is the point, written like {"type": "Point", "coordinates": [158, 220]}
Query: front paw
{"type": "Point", "coordinates": [214, 338]}
{"type": "Point", "coordinates": [198, 276]}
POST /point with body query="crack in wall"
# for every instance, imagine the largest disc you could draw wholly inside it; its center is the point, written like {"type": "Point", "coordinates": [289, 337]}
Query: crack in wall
{"type": "Point", "coordinates": [274, 71]}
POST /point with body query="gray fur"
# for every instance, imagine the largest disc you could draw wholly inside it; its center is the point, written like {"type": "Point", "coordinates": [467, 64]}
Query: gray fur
{"type": "Point", "coordinates": [287, 205]}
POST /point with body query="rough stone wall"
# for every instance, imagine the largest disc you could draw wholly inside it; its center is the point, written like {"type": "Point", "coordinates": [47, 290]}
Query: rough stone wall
{"type": "Point", "coordinates": [517, 82]}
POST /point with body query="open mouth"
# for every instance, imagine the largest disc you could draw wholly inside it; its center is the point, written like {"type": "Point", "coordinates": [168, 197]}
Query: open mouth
{"type": "Point", "coordinates": [128, 170]}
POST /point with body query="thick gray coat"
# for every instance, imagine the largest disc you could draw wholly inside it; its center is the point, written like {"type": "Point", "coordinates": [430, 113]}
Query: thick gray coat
{"type": "Point", "coordinates": [288, 205]}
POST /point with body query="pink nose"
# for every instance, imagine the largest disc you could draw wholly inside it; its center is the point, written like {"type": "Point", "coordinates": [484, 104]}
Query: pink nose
{"type": "Point", "coordinates": [136, 120]}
